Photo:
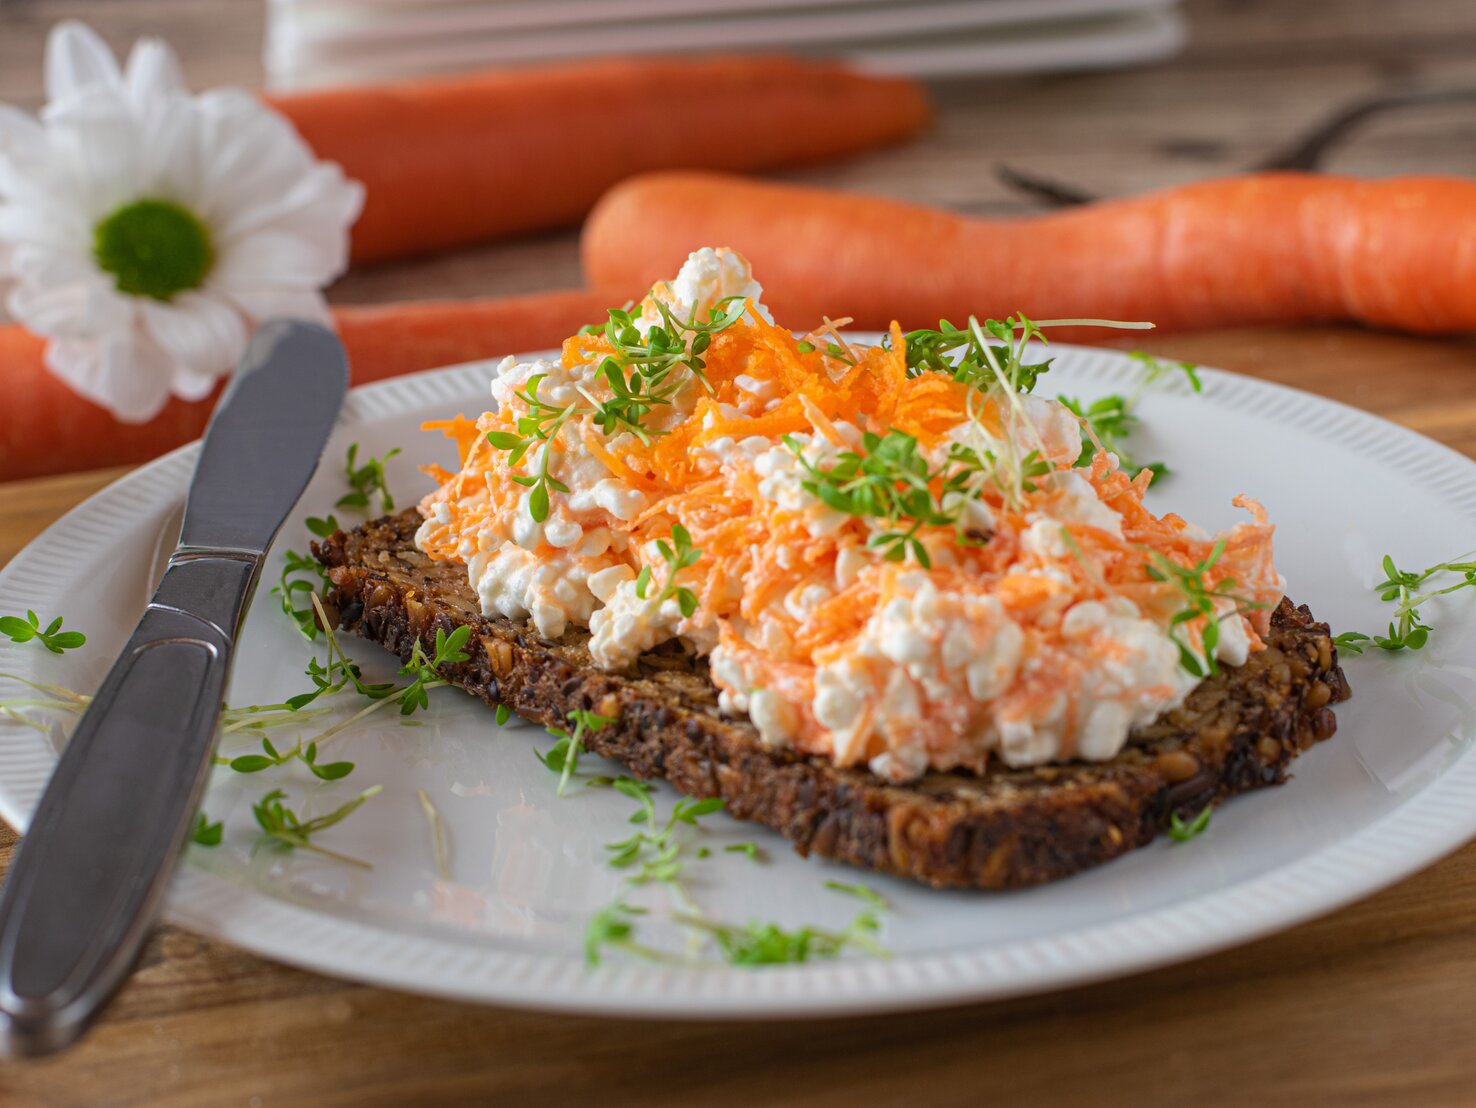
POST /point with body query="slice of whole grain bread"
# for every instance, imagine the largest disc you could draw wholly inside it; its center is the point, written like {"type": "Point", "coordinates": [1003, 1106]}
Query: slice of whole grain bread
{"type": "Point", "coordinates": [1007, 828]}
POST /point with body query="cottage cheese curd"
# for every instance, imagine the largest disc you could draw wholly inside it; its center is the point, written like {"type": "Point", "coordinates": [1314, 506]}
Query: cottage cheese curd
{"type": "Point", "coordinates": [992, 602]}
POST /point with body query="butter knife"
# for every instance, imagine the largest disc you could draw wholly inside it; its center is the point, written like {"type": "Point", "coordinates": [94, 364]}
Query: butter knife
{"type": "Point", "coordinates": [90, 873]}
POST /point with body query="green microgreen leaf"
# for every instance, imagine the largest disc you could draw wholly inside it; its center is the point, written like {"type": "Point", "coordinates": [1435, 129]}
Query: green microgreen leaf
{"type": "Point", "coordinates": [252, 763]}
{"type": "Point", "coordinates": [658, 856]}
{"type": "Point", "coordinates": [283, 829]}
{"type": "Point", "coordinates": [892, 480]}
{"type": "Point", "coordinates": [541, 426]}
{"type": "Point", "coordinates": [1182, 832]}
{"type": "Point", "coordinates": [1202, 600]}
{"type": "Point", "coordinates": [967, 355]}
{"type": "Point", "coordinates": [206, 833]}
{"type": "Point", "coordinates": [656, 849]}
{"type": "Point", "coordinates": [856, 889]}
{"type": "Point", "coordinates": [1156, 369]}
{"type": "Point", "coordinates": [302, 577]}
{"type": "Point", "coordinates": [1406, 590]}
{"type": "Point", "coordinates": [1109, 421]}
{"type": "Point", "coordinates": [29, 629]}
{"type": "Point", "coordinates": [323, 527]}
{"type": "Point", "coordinates": [271, 757]}
{"type": "Point", "coordinates": [611, 927]}
{"type": "Point", "coordinates": [366, 480]}
{"type": "Point", "coordinates": [324, 771]}
{"type": "Point", "coordinates": [563, 757]}
{"type": "Point", "coordinates": [990, 356]}
{"type": "Point", "coordinates": [768, 944]}
{"type": "Point", "coordinates": [679, 554]}
{"type": "Point", "coordinates": [645, 370]}
{"type": "Point", "coordinates": [690, 811]}
{"type": "Point", "coordinates": [425, 669]}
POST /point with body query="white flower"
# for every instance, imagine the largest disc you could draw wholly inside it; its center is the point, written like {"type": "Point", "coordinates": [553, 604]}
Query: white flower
{"type": "Point", "coordinates": [144, 230]}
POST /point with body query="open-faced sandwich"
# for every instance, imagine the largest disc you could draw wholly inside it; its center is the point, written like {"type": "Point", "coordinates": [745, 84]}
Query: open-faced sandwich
{"type": "Point", "coordinates": [871, 596]}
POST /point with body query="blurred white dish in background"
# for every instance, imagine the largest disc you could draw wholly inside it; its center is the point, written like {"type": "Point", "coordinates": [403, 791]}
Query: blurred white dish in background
{"type": "Point", "coordinates": [322, 42]}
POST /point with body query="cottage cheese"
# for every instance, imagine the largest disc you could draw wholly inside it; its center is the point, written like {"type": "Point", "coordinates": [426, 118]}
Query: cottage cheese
{"type": "Point", "coordinates": [1005, 644]}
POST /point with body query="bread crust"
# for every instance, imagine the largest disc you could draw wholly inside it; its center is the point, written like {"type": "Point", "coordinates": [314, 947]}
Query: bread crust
{"type": "Point", "coordinates": [1008, 828]}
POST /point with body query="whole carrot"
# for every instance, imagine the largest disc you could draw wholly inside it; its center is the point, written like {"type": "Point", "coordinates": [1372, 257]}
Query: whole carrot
{"type": "Point", "coordinates": [388, 340]}
{"type": "Point", "coordinates": [46, 428]}
{"type": "Point", "coordinates": [1268, 248]}
{"type": "Point", "coordinates": [453, 160]}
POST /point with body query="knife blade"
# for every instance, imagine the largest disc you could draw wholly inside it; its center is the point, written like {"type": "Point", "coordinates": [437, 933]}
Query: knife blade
{"type": "Point", "coordinates": [90, 873]}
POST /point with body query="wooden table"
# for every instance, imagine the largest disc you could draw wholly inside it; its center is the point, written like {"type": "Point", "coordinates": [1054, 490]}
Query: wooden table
{"type": "Point", "coordinates": [1375, 1004]}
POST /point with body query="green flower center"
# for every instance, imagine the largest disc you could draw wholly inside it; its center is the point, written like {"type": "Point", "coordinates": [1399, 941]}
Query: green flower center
{"type": "Point", "coordinates": [154, 248]}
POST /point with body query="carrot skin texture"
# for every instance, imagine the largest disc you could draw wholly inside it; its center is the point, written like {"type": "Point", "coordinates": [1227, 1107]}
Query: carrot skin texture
{"type": "Point", "coordinates": [453, 160]}
{"type": "Point", "coordinates": [392, 339]}
{"type": "Point", "coordinates": [1265, 248]}
{"type": "Point", "coordinates": [45, 428]}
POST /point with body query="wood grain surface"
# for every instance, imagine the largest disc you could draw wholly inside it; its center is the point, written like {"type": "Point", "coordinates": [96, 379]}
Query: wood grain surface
{"type": "Point", "coordinates": [1375, 1004]}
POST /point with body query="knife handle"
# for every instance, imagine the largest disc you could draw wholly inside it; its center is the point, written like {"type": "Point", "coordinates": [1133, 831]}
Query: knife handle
{"type": "Point", "coordinates": [93, 866]}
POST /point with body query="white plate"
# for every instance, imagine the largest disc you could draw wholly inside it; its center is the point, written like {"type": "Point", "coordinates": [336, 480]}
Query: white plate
{"type": "Point", "coordinates": [1394, 789]}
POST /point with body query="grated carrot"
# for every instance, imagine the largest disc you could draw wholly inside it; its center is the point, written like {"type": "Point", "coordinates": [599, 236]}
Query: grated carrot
{"type": "Point", "coordinates": [757, 557]}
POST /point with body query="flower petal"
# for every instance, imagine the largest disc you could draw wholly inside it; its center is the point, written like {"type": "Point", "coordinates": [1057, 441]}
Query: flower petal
{"type": "Point", "coordinates": [60, 312]}
{"type": "Point", "coordinates": [255, 154]}
{"type": "Point", "coordinates": [320, 207]}
{"type": "Point", "coordinates": [267, 303]}
{"type": "Point", "coordinates": [44, 225]}
{"type": "Point", "coordinates": [269, 259]}
{"type": "Point", "coordinates": [77, 59]}
{"type": "Point", "coordinates": [109, 136]}
{"type": "Point", "coordinates": [126, 373]}
{"type": "Point", "coordinates": [153, 74]}
{"type": "Point", "coordinates": [192, 386]}
{"type": "Point", "coordinates": [202, 335]}
{"type": "Point", "coordinates": [25, 164]}
{"type": "Point", "coordinates": [47, 265]}
{"type": "Point", "coordinates": [269, 275]}
{"type": "Point", "coordinates": [30, 173]}
{"type": "Point", "coordinates": [86, 309]}
{"type": "Point", "coordinates": [99, 146]}
{"type": "Point", "coordinates": [21, 136]}
{"type": "Point", "coordinates": [170, 163]}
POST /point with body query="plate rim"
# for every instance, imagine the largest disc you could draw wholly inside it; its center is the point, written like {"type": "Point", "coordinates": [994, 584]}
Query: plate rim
{"type": "Point", "coordinates": [1394, 846]}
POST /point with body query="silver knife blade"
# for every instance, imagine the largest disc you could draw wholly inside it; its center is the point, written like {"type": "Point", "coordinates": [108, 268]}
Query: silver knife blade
{"type": "Point", "coordinates": [265, 438]}
{"type": "Point", "coordinates": [91, 871]}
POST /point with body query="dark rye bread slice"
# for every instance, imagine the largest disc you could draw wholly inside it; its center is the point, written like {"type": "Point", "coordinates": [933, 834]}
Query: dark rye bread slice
{"type": "Point", "coordinates": [1005, 829]}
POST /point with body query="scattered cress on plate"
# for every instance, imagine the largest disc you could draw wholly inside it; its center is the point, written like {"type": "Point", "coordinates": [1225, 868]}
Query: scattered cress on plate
{"type": "Point", "coordinates": [928, 585]}
{"type": "Point", "coordinates": [877, 482]}
{"type": "Point", "coordinates": [731, 880]}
